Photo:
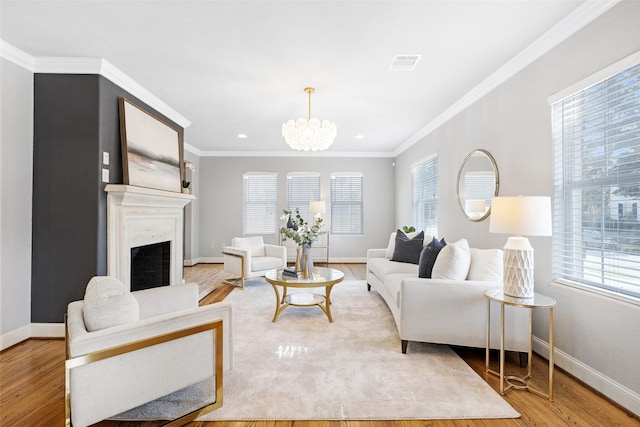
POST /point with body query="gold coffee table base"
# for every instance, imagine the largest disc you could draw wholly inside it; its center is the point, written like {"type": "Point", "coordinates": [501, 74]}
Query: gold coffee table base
{"type": "Point", "coordinates": [322, 277]}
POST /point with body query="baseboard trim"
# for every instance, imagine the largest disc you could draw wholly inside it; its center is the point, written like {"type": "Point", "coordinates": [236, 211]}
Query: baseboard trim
{"type": "Point", "coordinates": [32, 330]}
{"type": "Point", "coordinates": [615, 391]}
{"type": "Point", "coordinates": [47, 330]}
{"type": "Point", "coordinates": [14, 337]}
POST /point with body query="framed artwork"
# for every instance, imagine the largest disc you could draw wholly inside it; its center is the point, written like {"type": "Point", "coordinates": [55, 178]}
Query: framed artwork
{"type": "Point", "coordinates": [151, 149]}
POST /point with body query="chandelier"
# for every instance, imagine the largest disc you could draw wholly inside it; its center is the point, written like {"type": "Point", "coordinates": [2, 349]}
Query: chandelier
{"type": "Point", "coordinates": [309, 134]}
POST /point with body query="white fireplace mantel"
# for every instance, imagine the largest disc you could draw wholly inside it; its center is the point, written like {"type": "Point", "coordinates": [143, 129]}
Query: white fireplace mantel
{"type": "Point", "coordinates": [138, 216]}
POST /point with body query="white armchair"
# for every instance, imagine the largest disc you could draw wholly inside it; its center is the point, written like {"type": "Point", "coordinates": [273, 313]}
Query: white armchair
{"type": "Point", "coordinates": [124, 349]}
{"type": "Point", "coordinates": [249, 257]}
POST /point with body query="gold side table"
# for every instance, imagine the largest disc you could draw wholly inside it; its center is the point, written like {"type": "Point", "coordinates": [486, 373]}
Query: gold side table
{"type": "Point", "coordinates": [538, 301]}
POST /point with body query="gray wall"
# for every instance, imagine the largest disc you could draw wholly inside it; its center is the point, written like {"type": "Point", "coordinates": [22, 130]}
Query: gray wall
{"type": "Point", "coordinates": [76, 119]}
{"type": "Point", "coordinates": [513, 123]}
{"type": "Point", "coordinates": [220, 198]}
{"type": "Point", "coordinates": [16, 159]}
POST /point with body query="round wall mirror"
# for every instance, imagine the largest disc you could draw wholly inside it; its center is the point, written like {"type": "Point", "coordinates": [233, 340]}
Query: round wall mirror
{"type": "Point", "coordinates": [478, 183]}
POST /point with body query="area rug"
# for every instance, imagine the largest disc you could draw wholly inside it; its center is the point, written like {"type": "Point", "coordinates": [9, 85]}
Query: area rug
{"type": "Point", "coordinates": [304, 368]}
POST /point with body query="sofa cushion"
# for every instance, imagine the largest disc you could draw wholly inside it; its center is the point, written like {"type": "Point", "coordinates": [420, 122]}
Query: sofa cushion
{"type": "Point", "coordinates": [255, 245]}
{"type": "Point", "coordinates": [266, 263]}
{"type": "Point", "coordinates": [428, 257]}
{"type": "Point", "coordinates": [108, 303]}
{"type": "Point", "coordinates": [486, 265]}
{"type": "Point", "coordinates": [407, 249]}
{"type": "Point", "coordinates": [453, 261]}
{"type": "Point", "coordinates": [381, 267]}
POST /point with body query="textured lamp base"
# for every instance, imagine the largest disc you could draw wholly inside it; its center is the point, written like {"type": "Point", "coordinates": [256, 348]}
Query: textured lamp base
{"type": "Point", "coordinates": [518, 268]}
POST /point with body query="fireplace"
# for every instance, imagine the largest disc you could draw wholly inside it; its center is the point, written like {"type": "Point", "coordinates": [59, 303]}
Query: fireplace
{"type": "Point", "coordinates": [139, 217]}
{"type": "Point", "coordinates": [150, 266]}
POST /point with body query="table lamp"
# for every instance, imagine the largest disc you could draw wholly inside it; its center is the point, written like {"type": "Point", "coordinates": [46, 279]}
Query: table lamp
{"type": "Point", "coordinates": [317, 207]}
{"type": "Point", "coordinates": [530, 216]}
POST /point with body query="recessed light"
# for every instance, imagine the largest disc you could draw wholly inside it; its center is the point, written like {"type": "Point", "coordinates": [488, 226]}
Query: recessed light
{"type": "Point", "coordinates": [359, 136]}
{"type": "Point", "coordinates": [242, 136]}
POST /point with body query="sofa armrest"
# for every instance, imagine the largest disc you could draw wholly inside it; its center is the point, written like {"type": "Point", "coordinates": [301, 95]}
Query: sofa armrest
{"type": "Point", "coordinates": [80, 341]}
{"type": "Point", "coordinates": [376, 253]}
{"type": "Point", "coordinates": [166, 299]}
{"type": "Point", "coordinates": [235, 258]}
{"type": "Point", "coordinates": [276, 252]}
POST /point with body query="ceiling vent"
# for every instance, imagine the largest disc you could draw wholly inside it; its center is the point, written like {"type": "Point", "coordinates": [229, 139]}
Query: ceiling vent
{"type": "Point", "coordinates": [404, 62]}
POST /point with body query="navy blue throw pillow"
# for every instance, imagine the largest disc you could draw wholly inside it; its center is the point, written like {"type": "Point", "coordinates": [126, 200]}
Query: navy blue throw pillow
{"type": "Point", "coordinates": [428, 257]}
{"type": "Point", "coordinates": [407, 250]}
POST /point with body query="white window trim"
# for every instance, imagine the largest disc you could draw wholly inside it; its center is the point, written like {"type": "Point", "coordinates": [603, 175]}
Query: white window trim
{"type": "Point", "coordinates": [594, 79]}
{"type": "Point", "coordinates": [582, 85]}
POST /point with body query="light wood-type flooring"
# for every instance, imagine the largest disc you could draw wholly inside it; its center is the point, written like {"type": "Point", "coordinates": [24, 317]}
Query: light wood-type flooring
{"type": "Point", "coordinates": [32, 386]}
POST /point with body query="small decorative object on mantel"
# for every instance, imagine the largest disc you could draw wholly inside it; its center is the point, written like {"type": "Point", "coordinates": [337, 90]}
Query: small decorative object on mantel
{"type": "Point", "coordinates": [185, 182]}
{"type": "Point", "coordinates": [304, 234]}
{"type": "Point", "coordinates": [185, 186]}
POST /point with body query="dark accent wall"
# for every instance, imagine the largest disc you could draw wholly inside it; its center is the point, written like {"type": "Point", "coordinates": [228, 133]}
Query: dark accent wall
{"type": "Point", "coordinates": [75, 119]}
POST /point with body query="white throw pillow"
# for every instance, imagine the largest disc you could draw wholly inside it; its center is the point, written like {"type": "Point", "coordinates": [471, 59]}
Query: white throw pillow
{"type": "Point", "coordinates": [486, 265]}
{"type": "Point", "coordinates": [453, 261]}
{"type": "Point", "coordinates": [108, 303]}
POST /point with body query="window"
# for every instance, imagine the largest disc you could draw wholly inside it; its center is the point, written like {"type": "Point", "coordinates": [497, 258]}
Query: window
{"type": "Point", "coordinates": [302, 188]}
{"type": "Point", "coordinates": [425, 196]}
{"type": "Point", "coordinates": [346, 203]}
{"type": "Point", "coordinates": [596, 235]}
{"type": "Point", "coordinates": [259, 203]}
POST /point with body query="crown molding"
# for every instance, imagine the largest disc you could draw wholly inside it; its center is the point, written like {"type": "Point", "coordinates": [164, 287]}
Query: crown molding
{"type": "Point", "coordinates": [17, 56]}
{"type": "Point", "coordinates": [72, 65]}
{"type": "Point", "coordinates": [292, 153]}
{"type": "Point", "coordinates": [572, 23]}
{"type": "Point", "coordinates": [193, 150]}
{"type": "Point", "coordinates": [100, 66]}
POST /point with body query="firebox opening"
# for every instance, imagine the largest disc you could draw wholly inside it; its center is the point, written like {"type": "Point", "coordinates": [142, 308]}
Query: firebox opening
{"type": "Point", "coordinates": [150, 266]}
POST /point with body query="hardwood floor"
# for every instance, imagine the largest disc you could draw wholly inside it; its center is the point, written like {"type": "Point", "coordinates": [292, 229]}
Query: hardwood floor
{"type": "Point", "coordinates": [32, 386]}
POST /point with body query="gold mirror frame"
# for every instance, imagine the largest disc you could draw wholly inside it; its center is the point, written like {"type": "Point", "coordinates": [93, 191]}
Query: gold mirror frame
{"type": "Point", "coordinates": [482, 164]}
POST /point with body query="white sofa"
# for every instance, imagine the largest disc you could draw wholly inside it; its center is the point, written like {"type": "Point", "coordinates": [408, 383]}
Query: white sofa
{"type": "Point", "coordinates": [128, 348]}
{"type": "Point", "coordinates": [446, 311]}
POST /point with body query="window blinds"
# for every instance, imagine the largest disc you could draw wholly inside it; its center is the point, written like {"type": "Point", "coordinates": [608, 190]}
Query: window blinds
{"type": "Point", "coordinates": [425, 196]}
{"type": "Point", "coordinates": [596, 235]}
{"type": "Point", "coordinates": [259, 202]}
{"type": "Point", "coordinates": [302, 188]}
{"type": "Point", "coordinates": [346, 203]}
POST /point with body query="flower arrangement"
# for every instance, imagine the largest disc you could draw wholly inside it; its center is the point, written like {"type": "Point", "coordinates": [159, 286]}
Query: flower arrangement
{"type": "Point", "coordinates": [299, 230]}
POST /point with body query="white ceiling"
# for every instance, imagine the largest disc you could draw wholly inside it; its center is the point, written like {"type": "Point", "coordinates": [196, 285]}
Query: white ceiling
{"type": "Point", "coordinates": [242, 66]}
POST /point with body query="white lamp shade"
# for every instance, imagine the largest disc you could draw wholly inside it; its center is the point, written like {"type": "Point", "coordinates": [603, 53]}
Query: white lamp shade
{"type": "Point", "coordinates": [520, 215]}
{"type": "Point", "coordinates": [317, 207]}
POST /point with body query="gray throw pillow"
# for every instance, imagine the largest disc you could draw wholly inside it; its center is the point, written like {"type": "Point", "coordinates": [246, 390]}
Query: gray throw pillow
{"type": "Point", "coordinates": [408, 250]}
{"type": "Point", "coordinates": [428, 257]}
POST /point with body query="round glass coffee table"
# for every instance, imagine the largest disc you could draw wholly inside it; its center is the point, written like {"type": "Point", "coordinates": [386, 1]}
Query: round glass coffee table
{"type": "Point", "coordinates": [321, 277]}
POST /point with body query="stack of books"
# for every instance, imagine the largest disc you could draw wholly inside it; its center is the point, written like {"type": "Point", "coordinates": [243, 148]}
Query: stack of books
{"type": "Point", "coordinates": [290, 272]}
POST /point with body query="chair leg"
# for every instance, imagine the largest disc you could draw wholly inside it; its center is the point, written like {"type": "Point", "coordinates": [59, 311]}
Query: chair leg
{"type": "Point", "coordinates": [238, 282]}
